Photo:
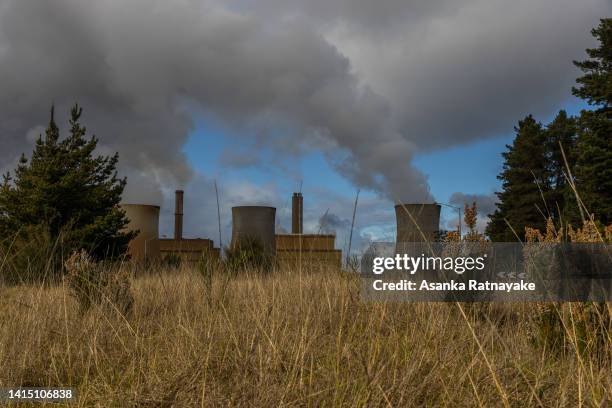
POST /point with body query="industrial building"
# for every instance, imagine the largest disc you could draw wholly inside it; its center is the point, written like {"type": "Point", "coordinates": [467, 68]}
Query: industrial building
{"type": "Point", "coordinates": [298, 248]}
{"type": "Point", "coordinates": [313, 249]}
{"type": "Point", "coordinates": [258, 223]}
{"type": "Point", "coordinates": [186, 249]}
{"type": "Point", "coordinates": [415, 223]}
{"type": "Point", "coordinates": [148, 246]}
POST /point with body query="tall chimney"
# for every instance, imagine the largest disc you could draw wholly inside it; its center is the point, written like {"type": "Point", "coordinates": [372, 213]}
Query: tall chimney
{"type": "Point", "coordinates": [178, 216]}
{"type": "Point", "coordinates": [297, 214]}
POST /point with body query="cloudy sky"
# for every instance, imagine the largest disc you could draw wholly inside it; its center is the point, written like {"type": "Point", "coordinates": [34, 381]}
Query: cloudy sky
{"type": "Point", "coordinates": [406, 100]}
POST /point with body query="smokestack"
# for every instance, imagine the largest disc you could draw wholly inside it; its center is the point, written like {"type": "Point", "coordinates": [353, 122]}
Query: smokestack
{"type": "Point", "coordinates": [297, 214]}
{"type": "Point", "coordinates": [178, 216]}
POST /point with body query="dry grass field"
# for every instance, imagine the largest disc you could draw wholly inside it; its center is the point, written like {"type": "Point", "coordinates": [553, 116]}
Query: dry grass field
{"type": "Point", "coordinates": [290, 339]}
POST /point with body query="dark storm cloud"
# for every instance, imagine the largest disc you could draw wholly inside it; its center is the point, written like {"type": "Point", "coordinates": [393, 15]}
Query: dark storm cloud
{"type": "Point", "coordinates": [57, 52]}
{"type": "Point", "coordinates": [370, 16]}
{"type": "Point", "coordinates": [367, 82]}
{"type": "Point", "coordinates": [140, 67]}
{"type": "Point", "coordinates": [456, 71]}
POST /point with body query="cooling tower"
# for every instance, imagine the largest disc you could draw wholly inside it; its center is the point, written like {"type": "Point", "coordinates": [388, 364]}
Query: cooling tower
{"type": "Point", "coordinates": [254, 223]}
{"type": "Point", "coordinates": [145, 219]}
{"type": "Point", "coordinates": [417, 222]}
{"type": "Point", "coordinates": [297, 214]}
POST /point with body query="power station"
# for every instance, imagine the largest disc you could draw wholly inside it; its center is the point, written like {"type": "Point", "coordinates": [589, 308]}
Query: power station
{"type": "Point", "coordinates": [416, 222]}
{"type": "Point", "coordinates": [147, 246]}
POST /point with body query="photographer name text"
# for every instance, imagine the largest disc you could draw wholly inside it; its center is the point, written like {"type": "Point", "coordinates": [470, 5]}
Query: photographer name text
{"type": "Point", "coordinates": [474, 285]}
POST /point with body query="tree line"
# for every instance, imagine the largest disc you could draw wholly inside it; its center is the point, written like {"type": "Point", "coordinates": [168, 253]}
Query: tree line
{"type": "Point", "coordinates": [562, 170]}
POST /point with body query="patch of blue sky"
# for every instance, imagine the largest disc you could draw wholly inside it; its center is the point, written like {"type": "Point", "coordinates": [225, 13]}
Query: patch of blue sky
{"type": "Point", "coordinates": [471, 168]}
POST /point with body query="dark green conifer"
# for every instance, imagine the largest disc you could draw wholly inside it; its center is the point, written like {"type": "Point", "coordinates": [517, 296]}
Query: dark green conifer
{"type": "Point", "coordinates": [594, 147]}
{"type": "Point", "coordinates": [525, 185]}
{"type": "Point", "coordinates": [68, 192]}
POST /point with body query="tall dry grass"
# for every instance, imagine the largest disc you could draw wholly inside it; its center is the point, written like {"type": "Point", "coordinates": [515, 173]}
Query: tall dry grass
{"type": "Point", "coordinates": [287, 339]}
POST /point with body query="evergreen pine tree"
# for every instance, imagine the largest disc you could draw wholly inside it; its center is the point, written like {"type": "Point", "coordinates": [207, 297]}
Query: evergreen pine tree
{"type": "Point", "coordinates": [66, 190]}
{"type": "Point", "coordinates": [594, 147]}
{"type": "Point", "coordinates": [525, 182]}
{"type": "Point", "coordinates": [561, 133]}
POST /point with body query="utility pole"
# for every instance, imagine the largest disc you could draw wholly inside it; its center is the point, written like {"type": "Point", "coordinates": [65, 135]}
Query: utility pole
{"type": "Point", "coordinates": [218, 216]}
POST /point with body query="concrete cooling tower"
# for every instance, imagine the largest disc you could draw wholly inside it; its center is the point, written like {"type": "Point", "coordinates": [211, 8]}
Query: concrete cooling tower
{"type": "Point", "coordinates": [417, 222]}
{"type": "Point", "coordinates": [254, 223]}
{"type": "Point", "coordinates": [145, 219]}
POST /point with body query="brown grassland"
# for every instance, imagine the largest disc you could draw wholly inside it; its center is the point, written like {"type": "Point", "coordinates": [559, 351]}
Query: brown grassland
{"type": "Point", "coordinates": [292, 338]}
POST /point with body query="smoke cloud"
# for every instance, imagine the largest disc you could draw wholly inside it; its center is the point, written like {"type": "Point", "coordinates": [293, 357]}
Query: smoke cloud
{"type": "Point", "coordinates": [140, 68]}
{"type": "Point", "coordinates": [368, 83]}
{"type": "Point", "coordinates": [329, 223]}
{"type": "Point", "coordinates": [485, 203]}
{"type": "Point", "coordinates": [485, 206]}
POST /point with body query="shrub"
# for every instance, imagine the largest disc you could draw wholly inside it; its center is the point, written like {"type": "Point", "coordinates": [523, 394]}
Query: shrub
{"type": "Point", "coordinates": [206, 266]}
{"type": "Point", "coordinates": [583, 326]}
{"type": "Point", "coordinates": [171, 260]}
{"type": "Point", "coordinates": [94, 283]}
{"type": "Point", "coordinates": [248, 253]}
{"type": "Point", "coordinates": [31, 255]}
